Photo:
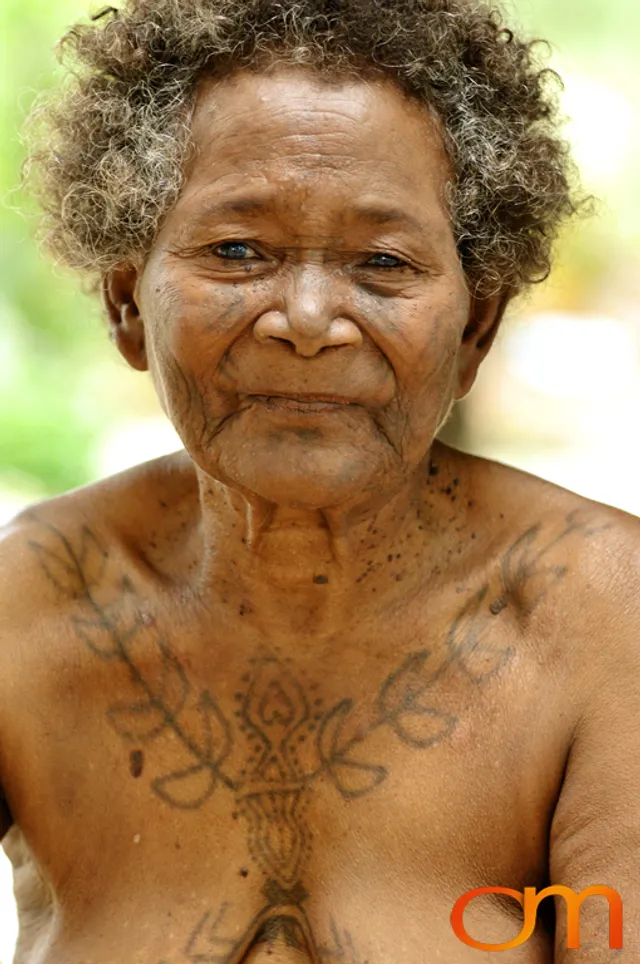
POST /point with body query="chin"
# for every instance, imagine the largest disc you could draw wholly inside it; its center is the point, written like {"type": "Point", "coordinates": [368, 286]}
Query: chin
{"type": "Point", "coordinates": [313, 479]}
{"type": "Point", "coordinates": [299, 493]}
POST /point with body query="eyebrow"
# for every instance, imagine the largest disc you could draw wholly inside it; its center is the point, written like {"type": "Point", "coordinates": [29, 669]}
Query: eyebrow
{"type": "Point", "coordinates": [256, 207]}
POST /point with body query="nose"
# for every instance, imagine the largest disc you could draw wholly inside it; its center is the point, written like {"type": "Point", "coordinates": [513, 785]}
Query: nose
{"type": "Point", "coordinates": [311, 319]}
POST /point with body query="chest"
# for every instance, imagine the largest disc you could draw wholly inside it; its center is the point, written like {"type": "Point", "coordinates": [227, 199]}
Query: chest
{"type": "Point", "coordinates": [405, 764]}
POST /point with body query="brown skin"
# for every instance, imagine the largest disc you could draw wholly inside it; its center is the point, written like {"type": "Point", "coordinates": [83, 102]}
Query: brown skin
{"type": "Point", "coordinates": [289, 693]}
{"type": "Point", "coordinates": [218, 336]}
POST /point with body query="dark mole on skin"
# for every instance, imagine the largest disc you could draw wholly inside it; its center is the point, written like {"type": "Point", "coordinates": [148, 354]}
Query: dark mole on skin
{"type": "Point", "coordinates": [321, 580]}
{"type": "Point", "coordinates": [244, 872]}
{"type": "Point", "coordinates": [497, 606]}
{"type": "Point", "coordinates": [136, 763]}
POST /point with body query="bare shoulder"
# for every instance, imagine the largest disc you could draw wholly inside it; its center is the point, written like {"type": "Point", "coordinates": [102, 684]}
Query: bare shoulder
{"type": "Point", "coordinates": [118, 508]}
{"type": "Point", "coordinates": [118, 501]}
{"type": "Point", "coordinates": [38, 547]}
{"type": "Point", "coordinates": [607, 556]}
{"type": "Point", "coordinates": [593, 547]}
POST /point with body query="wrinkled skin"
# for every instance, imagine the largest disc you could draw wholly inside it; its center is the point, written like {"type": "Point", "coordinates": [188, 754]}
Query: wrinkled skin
{"type": "Point", "coordinates": [306, 296]}
{"type": "Point", "coordinates": [284, 696]}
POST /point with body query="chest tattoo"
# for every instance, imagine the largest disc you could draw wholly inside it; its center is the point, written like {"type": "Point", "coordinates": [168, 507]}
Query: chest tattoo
{"type": "Point", "coordinates": [253, 750]}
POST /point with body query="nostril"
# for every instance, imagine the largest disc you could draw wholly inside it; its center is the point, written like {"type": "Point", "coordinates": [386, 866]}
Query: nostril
{"type": "Point", "coordinates": [273, 324]}
{"type": "Point", "coordinates": [286, 343]}
{"type": "Point", "coordinates": [328, 348]}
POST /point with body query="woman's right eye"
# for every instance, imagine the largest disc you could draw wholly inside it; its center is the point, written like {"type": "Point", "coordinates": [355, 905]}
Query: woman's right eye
{"type": "Point", "coordinates": [234, 251]}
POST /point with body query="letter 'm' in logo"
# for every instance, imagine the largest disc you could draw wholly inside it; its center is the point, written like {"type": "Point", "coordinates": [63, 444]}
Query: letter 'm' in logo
{"type": "Point", "coordinates": [530, 901]}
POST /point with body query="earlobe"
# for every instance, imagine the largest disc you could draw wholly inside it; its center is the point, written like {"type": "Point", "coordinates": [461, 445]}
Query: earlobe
{"type": "Point", "coordinates": [126, 326]}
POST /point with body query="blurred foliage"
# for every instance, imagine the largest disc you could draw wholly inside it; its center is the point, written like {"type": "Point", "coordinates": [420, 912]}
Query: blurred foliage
{"type": "Point", "coordinates": [60, 384]}
{"type": "Point", "coordinates": [49, 330]}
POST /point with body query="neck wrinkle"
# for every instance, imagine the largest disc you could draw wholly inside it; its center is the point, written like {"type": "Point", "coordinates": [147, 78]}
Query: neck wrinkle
{"type": "Point", "coordinates": [287, 571]}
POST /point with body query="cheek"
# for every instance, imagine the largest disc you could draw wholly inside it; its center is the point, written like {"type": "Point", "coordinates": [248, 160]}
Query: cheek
{"type": "Point", "coordinates": [421, 340]}
{"type": "Point", "coordinates": [194, 321]}
{"type": "Point", "coordinates": [189, 326]}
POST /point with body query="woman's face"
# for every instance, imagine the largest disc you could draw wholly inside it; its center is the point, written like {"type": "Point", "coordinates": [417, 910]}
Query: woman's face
{"type": "Point", "coordinates": [304, 313]}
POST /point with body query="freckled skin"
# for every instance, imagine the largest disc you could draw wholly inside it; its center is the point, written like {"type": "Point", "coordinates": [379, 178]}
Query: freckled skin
{"type": "Point", "coordinates": [276, 704]}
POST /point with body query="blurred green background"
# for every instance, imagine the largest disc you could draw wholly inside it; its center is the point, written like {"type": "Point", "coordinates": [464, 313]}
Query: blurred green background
{"type": "Point", "coordinates": [558, 396]}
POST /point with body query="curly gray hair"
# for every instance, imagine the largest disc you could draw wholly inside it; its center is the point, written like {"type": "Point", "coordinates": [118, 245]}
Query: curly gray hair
{"type": "Point", "coordinates": [116, 141]}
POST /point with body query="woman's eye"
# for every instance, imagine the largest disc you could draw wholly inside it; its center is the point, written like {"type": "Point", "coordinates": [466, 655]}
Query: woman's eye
{"type": "Point", "coordinates": [387, 261]}
{"type": "Point", "coordinates": [234, 251]}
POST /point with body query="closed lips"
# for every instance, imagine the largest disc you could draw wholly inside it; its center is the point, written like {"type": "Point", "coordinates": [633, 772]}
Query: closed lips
{"type": "Point", "coordinates": [331, 399]}
{"type": "Point", "coordinates": [302, 403]}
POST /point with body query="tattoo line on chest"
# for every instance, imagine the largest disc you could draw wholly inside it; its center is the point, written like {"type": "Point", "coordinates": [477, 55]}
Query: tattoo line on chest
{"type": "Point", "coordinates": [274, 714]}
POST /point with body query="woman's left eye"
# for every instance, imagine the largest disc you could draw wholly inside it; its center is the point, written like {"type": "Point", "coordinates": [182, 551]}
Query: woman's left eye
{"type": "Point", "coordinates": [387, 261]}
{"type": "Point", "coordinates": [234, 251]}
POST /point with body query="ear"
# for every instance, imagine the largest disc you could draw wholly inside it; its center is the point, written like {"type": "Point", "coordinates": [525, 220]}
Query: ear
{"type": "Point", "coordinates": [126, 327]}
{"type": "Point", "coordinates": [485, 317]}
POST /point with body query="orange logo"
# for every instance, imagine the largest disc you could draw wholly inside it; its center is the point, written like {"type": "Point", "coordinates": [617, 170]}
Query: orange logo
{"type": "Point", "coordinates": [530, 901]}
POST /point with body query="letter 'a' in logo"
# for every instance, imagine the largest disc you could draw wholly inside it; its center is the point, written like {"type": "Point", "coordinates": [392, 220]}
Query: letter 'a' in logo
{"type": "Point", "coordinates": [529, 901]}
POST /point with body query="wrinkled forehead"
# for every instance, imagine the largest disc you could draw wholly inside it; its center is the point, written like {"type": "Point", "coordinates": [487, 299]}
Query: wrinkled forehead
{"type": "Point", "coordinates": [292, 120]}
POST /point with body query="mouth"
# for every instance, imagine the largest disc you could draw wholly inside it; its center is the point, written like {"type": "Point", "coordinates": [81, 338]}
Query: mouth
{"type": "Point", "coordinates": [302, 404]}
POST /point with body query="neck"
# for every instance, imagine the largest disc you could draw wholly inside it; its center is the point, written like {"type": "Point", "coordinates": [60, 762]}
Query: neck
{"type": "Point", "coordinates": [286, 570]}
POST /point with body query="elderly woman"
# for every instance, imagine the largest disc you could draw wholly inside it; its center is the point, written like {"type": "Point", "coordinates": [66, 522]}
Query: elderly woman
{"type": "Point", "coordinates": [288, 694]}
